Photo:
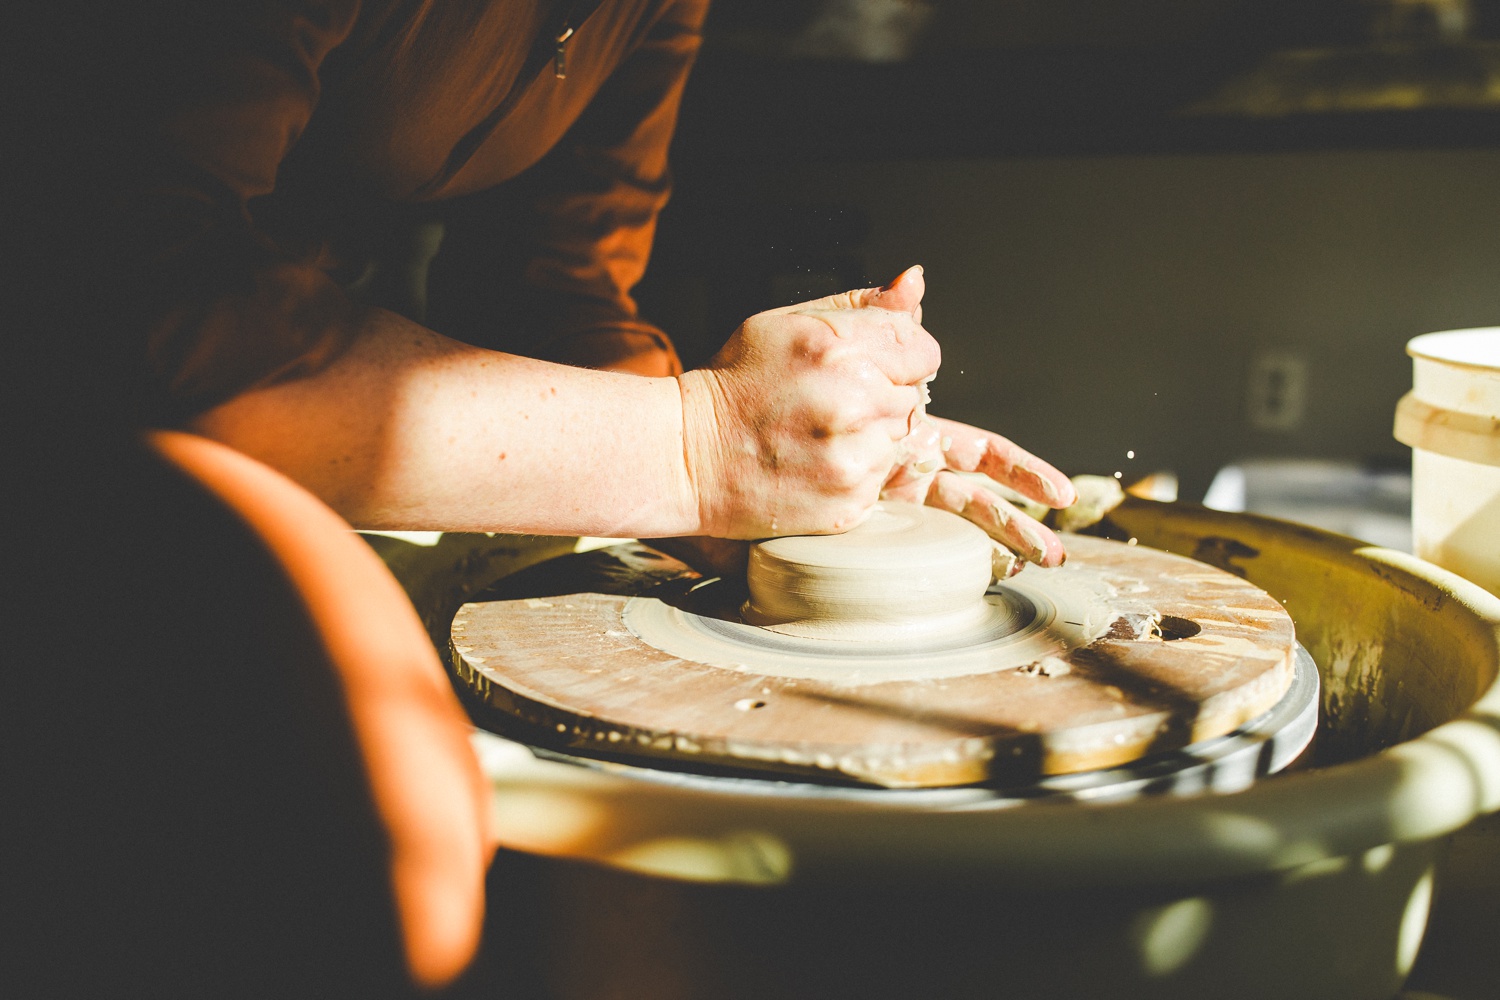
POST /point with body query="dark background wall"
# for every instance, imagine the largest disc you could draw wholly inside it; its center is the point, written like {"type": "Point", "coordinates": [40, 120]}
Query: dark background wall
{"type": "Point", "coordinates": [1126, 250]}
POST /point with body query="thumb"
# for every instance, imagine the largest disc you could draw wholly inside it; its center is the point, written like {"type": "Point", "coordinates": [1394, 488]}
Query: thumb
{"type": "Point", "coordinates": [903, 294]}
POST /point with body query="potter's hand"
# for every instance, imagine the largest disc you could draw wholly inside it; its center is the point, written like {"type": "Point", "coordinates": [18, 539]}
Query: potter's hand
{"type": "Point", "coordinates": [793, 427]}
{"type": "Point", "coordinates": [1017, 532]}
{"type": "Point", "coordinates": [938, 449]}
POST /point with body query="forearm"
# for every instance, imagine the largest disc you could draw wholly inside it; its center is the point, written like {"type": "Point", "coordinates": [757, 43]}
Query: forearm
{"type": "Point", "coordinates": [408, 429]}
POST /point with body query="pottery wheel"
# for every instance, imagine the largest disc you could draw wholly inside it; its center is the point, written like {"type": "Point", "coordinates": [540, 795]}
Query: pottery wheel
{"type": "Point", "coordinates": [1123, 652]}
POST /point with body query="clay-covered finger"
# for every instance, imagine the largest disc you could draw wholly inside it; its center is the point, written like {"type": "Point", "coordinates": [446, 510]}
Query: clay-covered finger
{"type": "Point", "coordinates": [970, 449]}
{"type": "Point", "coordinates": [1014, 529]}
{"type": "Point", "coordinates": [918, 458]}
{"type": "Point", "coordinates": [921, 446]}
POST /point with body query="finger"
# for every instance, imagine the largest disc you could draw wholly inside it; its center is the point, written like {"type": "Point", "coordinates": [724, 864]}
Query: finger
{"type": "Point", "coordinates": [890, 409]}
{"type": "Point", "coordinates": [903, 294]}
{"type": "Point", "coordinates": [918, 458]}
{"type": "Point", "coordinates": [902, 411]}
{"type": "Point", "coordinates": [969, 449]}
{"type": "Point", "coordinates": [830, 518]}
{"type": "Point", "coordinates": [906, 487]}
{"type": "Point", "coordinates": [921, 448]}
{"type": "Point", "coordinates": [894, 343]}
{"type": "Point", "coordinates": [1002, 521]}
{"type": "Point", "coordinates": [838, 476]}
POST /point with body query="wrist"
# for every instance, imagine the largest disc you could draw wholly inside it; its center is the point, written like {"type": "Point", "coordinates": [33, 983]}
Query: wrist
{"type": "Point", "coordinates": [698, 393]}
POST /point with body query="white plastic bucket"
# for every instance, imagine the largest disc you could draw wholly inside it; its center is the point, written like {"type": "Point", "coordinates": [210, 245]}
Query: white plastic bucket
{"type": "Point", "coordinates": [1451, 419]}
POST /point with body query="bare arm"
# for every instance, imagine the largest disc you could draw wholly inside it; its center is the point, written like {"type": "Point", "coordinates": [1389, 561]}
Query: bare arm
{"type": "Point", "coordinates": [408, 429]}
{"type": "Point", "coordinates": [792, 429]}
{"type": "Point", "coordinates": [795, 427]}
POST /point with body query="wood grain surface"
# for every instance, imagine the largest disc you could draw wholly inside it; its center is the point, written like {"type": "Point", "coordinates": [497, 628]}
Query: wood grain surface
{"type": "Point", "coordinates": [551, 659]}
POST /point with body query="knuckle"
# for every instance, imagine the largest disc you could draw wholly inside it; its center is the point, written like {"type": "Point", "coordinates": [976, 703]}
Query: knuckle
{"type": "Point", "coordinates": [848, 472]}
{"type": "Point", "coordinates": [759, 325]}
{"type": "Point", "coordinates": [816, 342]}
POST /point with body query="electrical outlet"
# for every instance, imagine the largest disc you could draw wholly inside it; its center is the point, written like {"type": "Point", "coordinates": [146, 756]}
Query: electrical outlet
{"type": "Point", "coordinates": [1276, 396]}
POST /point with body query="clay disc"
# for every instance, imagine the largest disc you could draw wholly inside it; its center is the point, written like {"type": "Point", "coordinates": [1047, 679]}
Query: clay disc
{"type": "Point", "coordinates": [907, 569]}
{"type": "Point", "coordinates": [1124, 652]}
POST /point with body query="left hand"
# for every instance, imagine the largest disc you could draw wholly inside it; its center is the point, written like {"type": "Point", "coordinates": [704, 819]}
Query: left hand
{"type": "Point", "coordinates": [937, 450]}
{"type": "Point", "coordinates": [930, 457]}
{"type": "Point", "coordinates": [933, 456]}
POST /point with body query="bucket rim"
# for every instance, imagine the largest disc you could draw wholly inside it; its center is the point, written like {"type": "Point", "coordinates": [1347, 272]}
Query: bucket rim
{"type": "Point", "coordinates": [1429, 347]}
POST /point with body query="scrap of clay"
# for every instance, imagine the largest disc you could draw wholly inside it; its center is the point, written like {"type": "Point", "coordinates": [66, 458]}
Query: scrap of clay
{"type": "Point", "coordinates": [1097, 496]}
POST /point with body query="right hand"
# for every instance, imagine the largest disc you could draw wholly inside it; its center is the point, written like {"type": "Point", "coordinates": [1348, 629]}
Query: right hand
{"type": "Point", "coordinates": [793, 427]}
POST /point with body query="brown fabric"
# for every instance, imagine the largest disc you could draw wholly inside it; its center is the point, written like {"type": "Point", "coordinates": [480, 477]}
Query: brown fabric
{"type": "Point", "coordinates": [241, 163]}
